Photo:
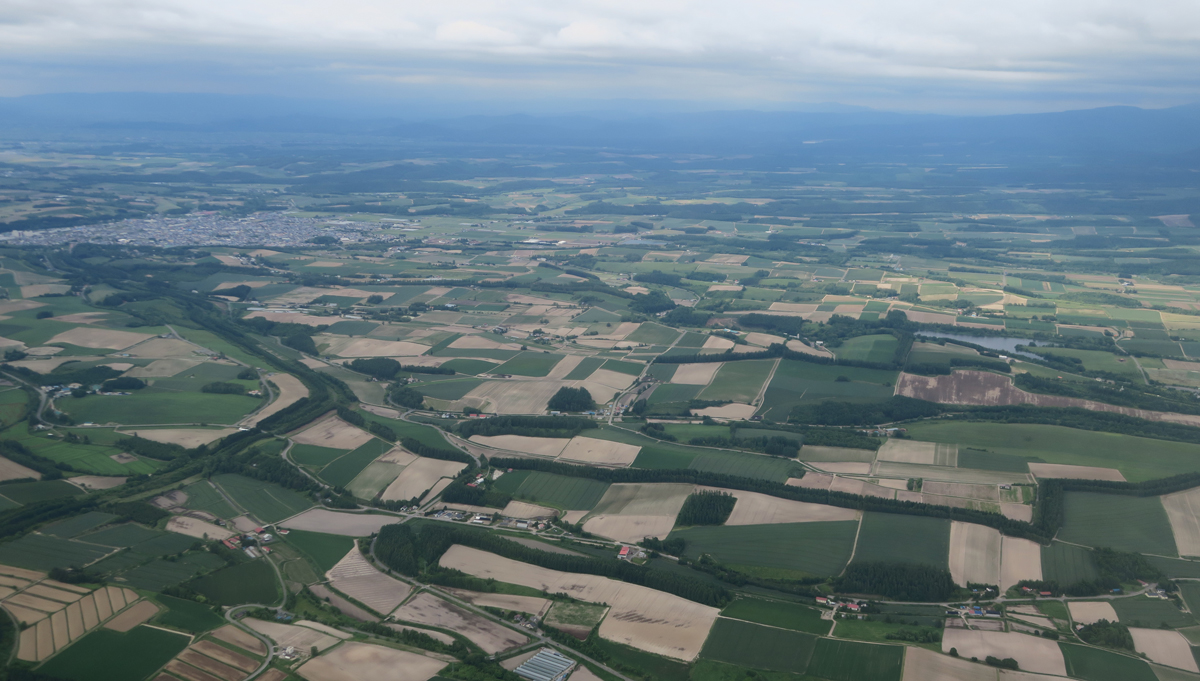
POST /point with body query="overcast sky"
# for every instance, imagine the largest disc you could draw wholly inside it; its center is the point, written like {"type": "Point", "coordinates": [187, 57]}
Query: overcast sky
{"type": "Point", "coordinates": [926, 55]}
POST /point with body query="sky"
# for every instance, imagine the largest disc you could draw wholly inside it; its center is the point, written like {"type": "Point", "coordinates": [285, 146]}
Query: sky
{"type": "Point", "coordinates": [946, 56]}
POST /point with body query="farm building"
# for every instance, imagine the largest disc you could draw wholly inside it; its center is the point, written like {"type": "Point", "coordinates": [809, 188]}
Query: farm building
{"type": "Point", "coordinates": [547, 665]}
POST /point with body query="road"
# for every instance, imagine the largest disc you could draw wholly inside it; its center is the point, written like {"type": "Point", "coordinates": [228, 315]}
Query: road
{"type": "Point", "coordinates": [271, 649]}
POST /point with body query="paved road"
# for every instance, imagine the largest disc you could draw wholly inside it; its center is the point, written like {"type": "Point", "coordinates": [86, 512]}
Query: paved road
{"type": "Point", "coordinates": [271, 650]}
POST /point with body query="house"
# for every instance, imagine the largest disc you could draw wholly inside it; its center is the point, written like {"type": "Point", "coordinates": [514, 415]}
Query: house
{"type": "Point", "coordinates": [547, 665]}
{"type": "Point", "coordinates": [822, 600]}
{"type": "Point", "coordinates": [623, 553]}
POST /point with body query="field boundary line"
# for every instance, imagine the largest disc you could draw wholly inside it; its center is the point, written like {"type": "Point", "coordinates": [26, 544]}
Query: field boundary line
{"type": "Point", "coordinates": [861, 516]}
{"type": "Point", "coordinates": [762, 391]}
{"type": "Point", "coordinates": [770, 626]}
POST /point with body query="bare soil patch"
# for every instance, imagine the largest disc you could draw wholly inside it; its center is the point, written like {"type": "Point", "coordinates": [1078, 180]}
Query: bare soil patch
{"type": "Point", "coordinates": [478, 342]}
{"type": "Point", "coordinates": [194, 527]}
{"type": "Point", "coordinates": [208, 665]}
{"type": "Point", "coordinates": [1019, 559]}
{"type": "Point", "coordinates": [611, 379]}
{"type": "Point", "coordinates": [630, 528]}
{"type": "Point", "coordinates": [167, 348]}
{"type": "Point", "coordinates": [717, 343]}
{"type": "Point", "coordinates": [974, 554]}
{"type": "Point", "coordinates": [537, 446]}
{"type": "Point", "coordinates": [381, 411]}
{"type": "Point", "coordinates": [100, 338]}
{"type": "Point", "coordinates": [733, 411]}
{"type": "Point", "coordinates": [344, 524]}
{"type": "Point", "coordinates": [285, 635]}
{"type": "Point", "coordinates": [924, 453]}
{"type": "Point", "coordinates": [599, 452]}
{"type": "Point", "coordinates": [921, 664]}
{"type": "Point", "coordinates": [1058, 470]}
{"type": "Point", "coordinates": [1089, 612]}
{"type": "Point", "coordinates": [1183, 511]}
{"type": "Point", "coordinates": [291, 317]}
{"type": "Point", "coordinates": [289, 390]}
{"type": "Point", "coordinates": [640, 617]}
{"type": "Point", "coordinates": [1032, 653]}
{"type": "Point", "coordinates": [227, 656]}
{"type": "Point", "coordinates": [564, 366]}
{"type": "Point", "coordinates": [140, 612]}
{"type": "Point", "coordinates": [1165, 647]}
{"type": "Point", "coordinates": [753, 508]}
{"type": "Point", "coordinates": [1022, 512]}
{"type": "Point", "coordinates": [353, 661]}
{"type": "Point", "coordinates": [425, 608]}
{"type": "Point", "coordinates": [419, 476]}
{"type": "Point", "coordinates": [161, 368]}
{"type": "Point", "coordinates": [11, 470]}
{"type": "Point", "coordinates": [334, 433]}
{"type": "Point", "coordinates": [860, 487]}
{"type": "Point", "coordinates": [696, 374]}
{"type": "Point", "coordinates": [235, 636]}
{"type": "Point", "coordinates": [527, 511]}
{"type": "Point", "coordinates": [188, 438]}
{"type": "Point", "coordinates": [374, 347]}
{"type": "Point", "coordinates": [398, 456]}
{"type": "Point", "coordinates": [966, 490]}
{"type": "Point", "coordinates": [356, 577]}
{"type": "Point", "coordinates": [527, 604]}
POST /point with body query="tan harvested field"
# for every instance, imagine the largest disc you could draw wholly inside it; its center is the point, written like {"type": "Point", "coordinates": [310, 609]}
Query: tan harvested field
{"type": "Point", "coordinates": [289, 317]}
{"type": "Point", "coordinates": [304, 294]}
{"type": "Point", "coordinates": [1059, 470]}
{"type": "Point", "coordinates": [188, 672]}
{"type": "Point", "coordinates": [630, 528]}
{"type": "Point", "coordinates": [8, 306]}
{"type": "Point", "coordinates": [968, 491]}
{"type": "Point", "coordinates": [289, 391]}
{"type": "Point", "coordinates": [63, 616]}
{"type": "Point", "coordinates": [241, 639]}
{"type": "Point", "coordinates": [227, 656]}
{"type": "Point", "coordinates": [527, 511]}
{"type": "Point", "coordinates": [83, 317]}
{"type": "Point", "coordinates": [582, 673]}
{"type": "Point", "coordinates": [764, 340]}
{"type": "Point", "coordinates": [436, 635]}
{"type": "Point", "coordinates": [419, 476]}
{"type": "Point", "coordinates": [11, 470]}
{"type": "Point", "coordinates": [527, 604]}
{"type": "Point", "coordinates": [344, 524]}
{"type": "Point", "coordinates": [1089, 612]}
{"type": "Point", "coordinates": [893, 484]}
{"type": "Point", "coordinates": [35, 290]}
{"type": "Point", "coordinates": [24, 615]}
{"type": "Point", "coordinates": [514, 397]}
{"type": "Point", "coordinates": [342, 604]}
{"type": "Point", "coordinates": [292, 635]}
{"type": "Point", "coordinates": [515, 661]}
{"type": "Point", "coordinates": [611, 379]}
{"type": "Point", "coordinates": [194, 527]}
{"type": "Point", "coordinates": [206, 664]}
{"type": "Point", "coordinates": [564, 366]}
{"type": "Point", "coordinates": [753, 508]}
{"type": "Point", "coordinates": [334, 433]}
{"type": "Point", "coordinates": [921, 664]}
{"type": "Point", "coordinates": [924, 453]}
{"type": "Point", "coordinates": [189, 438]}
{"type": "Point", "coordinates": [860, 487]}
{"type": "Point", "coordinates": [269, 675]}
{"type": "Point", "coordinates": [812, 481]}
{"type": "Point", "coordinates": [717, 343]}
{"type": "Point", "coordinates": [356, 577]}
{"type": "Point", "coordinates": [1165, 647]}
{"type": "Point", "coordinates": [374, 347]}
{"type": "Point", "coordinates": [1019, 559]}
{"type": "Point", "coordinates": [100, 338]}
{"type": "Point", "coordinates": [166, 348]}
{"type": "Point", "coordinates": [427, 609]}
{"type": "Point", "coordinates": [478, 342]}
{"type": "Point", "coordinates": [988, 389]}
{"type": "Point", "coordinates": [1035, 620]}
{"type": "Point", "coordinates": [381, 411]}
{"type": "Point", "coordinates": [1183, 510]}
{"type": "Point", "coordinates": [892, 469]}
{"type": "Point", "coordinates": [815, 453]}
{"type": "Point", "coordinates": [162, 368]}
{"type": "Point", "coordinates": [90, 482]}
{"type": "Point", "coordinates": [28, 600]}
{"type": "Point", "coordinates": [398, 456]}
{"type": "Point", "coordinates": [438, 488]}
{"type": "Point", "coordinates": [844, 467]}
{"type": "Point", "coordinates": [643, 499]}
{"type": "Point", "coordinates": [599, 452]}
{"type": "Point", "coordinates": [574, 517]}
{"type": "Point", "coordinates": [1022, 512]}
{"type": "Point", "coordinates": [1032, 653]}
{"type": "Point", "coordinates": [733, 411]}
{"type": "Point", "coordinates": [798, 346]}
{"type": "Point", "coordinates": [133, 616]}
{"type": "Point", "coordinates": [537, 446]}
{"type": "Point", "coordinates": [974, 554]}
{"type": "Point", "coordinates": [640, 617]}
{"type": "Point", "coordinates": [353, 661]}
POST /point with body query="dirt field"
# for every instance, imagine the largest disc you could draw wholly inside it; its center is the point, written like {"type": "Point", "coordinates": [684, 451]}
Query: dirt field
{"type": "Point", "coordinates": [140, 612]}
{"type": "Point", "coordinates": [611, 379]}
{"type": "Point", "coordinates": [1165, 647]}
{"type": "Point", "coordinates": [285, 635]}
{"type": "Point", "coordinates": [419, 476]}
{"type": "Point", "coordinates": [234, 636]}
{"type": "Point", "coordinates": [356, 661]}
{"type": "Point", "coordinates": [381, 411]}
{"type": "Point", "coordinates": [514, 397]}
{"type": "Point", "coordinates": [344, 524]}
{"type": "Point", "coordinates": [161, 368]}
{"type": "Point", "coordinates": [1022, 512]}
{"type": "Point", "coordinates": [924, 453]}
{"type": "Point", "coordinates": [1058, 470]}
{"type": "Point", "coordinates": [11, 470]}
{"type": "Point", "coordinates": [733, 411]}
{"type": "Point", "coordinates": [925, 665]}
{"type": "Point", "coordinates": [398, 456]}
{"type": "Point", "coordinates": [537, 446]}
{"type": "Point", "coordinates": [1183, 510]}
{"type": "Point", "coordinates": [333, 432]}
{"type": "Point", "coordinates": [599, 452]}
{"type": "Point", "coordinates": [1019, 559]}
{"type": "Point", "coordinates": [166, 348]}
{"type": "Point", "coordinates": [354, 576]}
{"type": "Point", "coordinates": [640, 617]}
{"type": "Point", "coordinates": [564, 366]}
{"type": "Point", "coordinates": [438, 488]}
{"type": "Point", "coordinates": [290, 391]}
{"type": "Point", "coordinates": [974, 554]}
{"type": "Point", "coordinates": [753, 508]}
{"type": "Point", "coordinates": [860, 487]}
{"type": "Point", "coordinates": [764, 340]}
{"type": "Point", "coordinates": [289, 317]}
{"type": "Point", "coordinates": [194, 527]}
{"type": "Point", "coordinates": [527, 604]}
{"type": "Point", "coordinates": [425, 608]}
{"type": "Point", "coordinates": [1087, 612]}
{"type": "Point", "coordinates": [892, 469]}
{"type": "Point", "coordinates": [1032, 653]}
{"type": "Point", "coordinates": [717, 343]}
{"type": "Point", "coordinates": [968, 491]}
{"type": "Point", "coordinates": [988, 389]}
{"type": "Point", "coordinates": [374, 347]}
{"type": "Point", "coordinates": [630, 528]}
{"type": "Point", "coordinates": [696, 374]}
{"type": "Point", "coordinates": [520, 509]}
{"type": "Point", "coordinates": [477, 342]}
{"type": "Point", "coordinates": [196, 659]}
{"type": "Point", "coordinates": [100, 338]}
{"type": "Point", "coordinates": [188, 438]}
{"type": "Point", "coordinates": [844, 467]}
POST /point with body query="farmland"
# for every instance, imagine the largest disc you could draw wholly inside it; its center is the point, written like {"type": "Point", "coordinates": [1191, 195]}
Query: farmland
{"type": "Point", "coordinates": [344, 469]}
{"type": "Point", "coordinates": [267, 501]}
{"type": "Point", "coordinates": [324, 550]}
{"type": "Point", "coordinates": [185, 615]}
{"type": "Point", "coordinates": [1122, 522]}
{"type": "Point", "coordinates": [851, 661]}
{"type": "Point", "coordinates": [251, 582]}
{"type": "Point", "coordinates": [752, 645]}
{"type": "Point", "coordinates": [106, 655]}
{"type": "Point", "coordinates": [797, 382]}
{"type": "Point", "coordinates": [797, 548]}
{"type": "Point", "coordinates": [738, 381]}
{"type": "Point", "coordinates": [1096, 664]}
{"type": "Point", "coordinates": [907, 539]}
{"type": "Point", "coordinates": [570, 494]}
{"type": "Point", "coordinates": [777, 614]}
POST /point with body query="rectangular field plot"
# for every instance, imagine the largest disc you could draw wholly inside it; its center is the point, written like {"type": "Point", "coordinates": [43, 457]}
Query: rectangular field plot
{"type": "Point", "coordinates": [560, 491]}
{"type": "Point", "coordinates": [1151, 613]}
{"type": "Point", "coordinates": [265, 500]}
{"type": "Point", "coordinates": [252, 582]}
{"type": "Point", "coordinates": [1096, 664]}
{"type": "Point", "coordinates": [891, 537]}
{"type": "Point", "coordinates": [72, 527]}
{"type": "Point", "coordinates": [340, 472]}
{"type": "Point", "coordinates": [853, 661]}
{"type": "Point", "coordinates": [314, 455]}
{"type": "Point", "coordinates": [151, 407]}
{"type": "Point", "coordinates": [203, 497]}
{"type": "Point", "coordinates": [1067, 564]}
{"type": "Point", "coordinates": [41, 552]}
{"type": "Point", "coordinates": [877, 348]}
{"type": "Point", "coordinates": [31, 492]}
{"type": "Point", "coordinates": [535, 364]}
{"type": "Point", "coordinates": [797, 382]}
{"type": "Point", "coordinates": [798, 548]}
{"type": "Point", "coordinates": [187, 615]}
{"type": "Point", "coordinates": [1122, 522]}
{"type": "Point", "coordinates": [744, 465]}
{"type": "Point", "coordinates": [758, 647]}
{"type": "Point", "coordinates": [107, 655]}
{"type": "Point", "coordinates": [739, 381]}
{"type": "Point", "coordinates": [778, 614]}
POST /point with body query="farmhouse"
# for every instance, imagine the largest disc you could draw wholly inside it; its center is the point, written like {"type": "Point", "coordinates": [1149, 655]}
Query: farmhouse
{"type": "Point", "coordinates": [547, 665]}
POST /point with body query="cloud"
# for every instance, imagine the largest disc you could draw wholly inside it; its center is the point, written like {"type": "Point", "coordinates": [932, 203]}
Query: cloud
{"type": "Point", "coordinates": [780, 50]}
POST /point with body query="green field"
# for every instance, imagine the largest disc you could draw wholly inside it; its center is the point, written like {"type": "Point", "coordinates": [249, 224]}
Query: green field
{"type": "Point", "coordinates": [470, 367]}
{"type": "Point", "coordinates": [674, 392]}
{"type": "Point", "coordinates": [534, 364]}
{"type": "Point", "coordinates": [1117, 521]}
{"type": "Point", "coordinates": [159, 574]}
{"type": "Point", "coordinates": [738, 381]}
{"type": "Point", "coordinates": [897, 538]}
{"type": "Point", "coordinates": [791, 549]}
{"type": "Point", "coordinates": [627, 368]}
{"type": "Point", "coordinates": [314, 455]}
{"type": "Point", "coordinates": [94, 458]}
{"type": "Point", "coordinates": [1096, 664]}
{"type": "Point", "coordinates": [42, 552]}
{"type": "Point", "coordinates": [1098, 360]}
{"type": "Point", "coordinates": [1151, 613]}
{"type": "Point", "coordinates": [448, 390]}
{"type": "Point", "coordinates": [79, 524]}
{"type": "Point", "coordinates": [653, 334]}
{"type": "Point", "coordinates": [122, 536]}
{"type": "Point", "coordinates": [340, 472]}
{"type": "Point", "coordinates": [991, 461]}
{"type": "Point", "coordinates": [250, 582]}
{"type": "Point", "coordinates": [374, 479]}
{"type": "Point", "coordinates": [653, 666]}
{"type": "Point", "coordinates": [31, 492]}
{"type": "Point", "coordinates": [324, 550]}
{"type": "Point", "coordinates": [267, 501]}
{"type": "Point", "coordinates": [1057, 444]}
{"type": "Point", "coordinates": [106, 655]}
{"type": "Point", "coordinates": [876, 348]}
{"type": "Point", "coordinates": [758, 647]}
{"type": "Point", "coordinates": [852, 661]}
{"type": "Point", "coordinates": [202, 497]}
{"type": "Point", "coordinates": [745, 465]}
{"type": "Point", "coordinates": [796, 382]}
{"type": "Point", "coordinates": [185, 615]}
{"type": "Point", "coordinates": [154, 407]}
{"type": "Point", "coordinates": [558, 491]}
{"type": "Point", "coordinates": [584, 369]}
{"type": "Point", "coordinates": [1067, 564]}
{"type": "Point", "coordinates": [778, 614]}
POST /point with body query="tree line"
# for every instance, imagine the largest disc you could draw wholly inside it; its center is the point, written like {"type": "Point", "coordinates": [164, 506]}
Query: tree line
{"type": "Point", "coordinates": [529, 426]}
{"type": "Point", "coordinates": [709, 507]}
{"type": "Point", "coordinates": [897, 581]}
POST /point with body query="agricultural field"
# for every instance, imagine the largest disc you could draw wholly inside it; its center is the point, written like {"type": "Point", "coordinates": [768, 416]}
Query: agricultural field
{"type": "Point", "coordinates": [107, 655]}
{"type": "Point", "coordinates": [324, 550]}
{"type": "Point", "coordinates": [797, 383]}
{"type": "Point", "coordinates": [777, 614]}
{"type": "Point", "coordinates": [792, 549]}
{"type": "Point", "coordinates": [266, 501]}
{"type": "Point", "coordinates": [1122, 522]}
{"type": "Point", "coordinates": [907, 539]}
{"type": "Point", "coordinates": [547, 489]}
{"type": "Point", "coordinates": [738, 381]}
{"type": "Point", "coordinates": [759, 647]}
{"type": "Point", "coordinates": [251, 582]}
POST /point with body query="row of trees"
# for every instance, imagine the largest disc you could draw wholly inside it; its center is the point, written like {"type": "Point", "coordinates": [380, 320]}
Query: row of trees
{"type": "Point", "coordinates": [529, 426]}
{"type": "Point", "coordinates": [708, 507]}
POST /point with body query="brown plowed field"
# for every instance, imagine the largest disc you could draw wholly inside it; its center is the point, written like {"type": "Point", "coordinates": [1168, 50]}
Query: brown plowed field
{"type": "Point", "coordinates": [210, 665]}
{"type": "Point", "coordinates": [987, 389]}
{"type": "Point", "coordinates": [234, 636]}
{"type": "Point", "coordinates": [226, 655]}
{"type": "Point", "coordinates": [189, 672]}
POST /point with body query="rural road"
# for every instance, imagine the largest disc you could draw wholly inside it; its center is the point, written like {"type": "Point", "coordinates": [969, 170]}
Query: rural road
{"type": "Point", "coordinates": [229, 615]}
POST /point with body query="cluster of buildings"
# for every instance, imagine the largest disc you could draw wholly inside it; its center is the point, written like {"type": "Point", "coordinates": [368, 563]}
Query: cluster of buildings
{"type": "Point", "coordinates": [251, 542]}
{"type": "Point", "coordinates": [852, 606]}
